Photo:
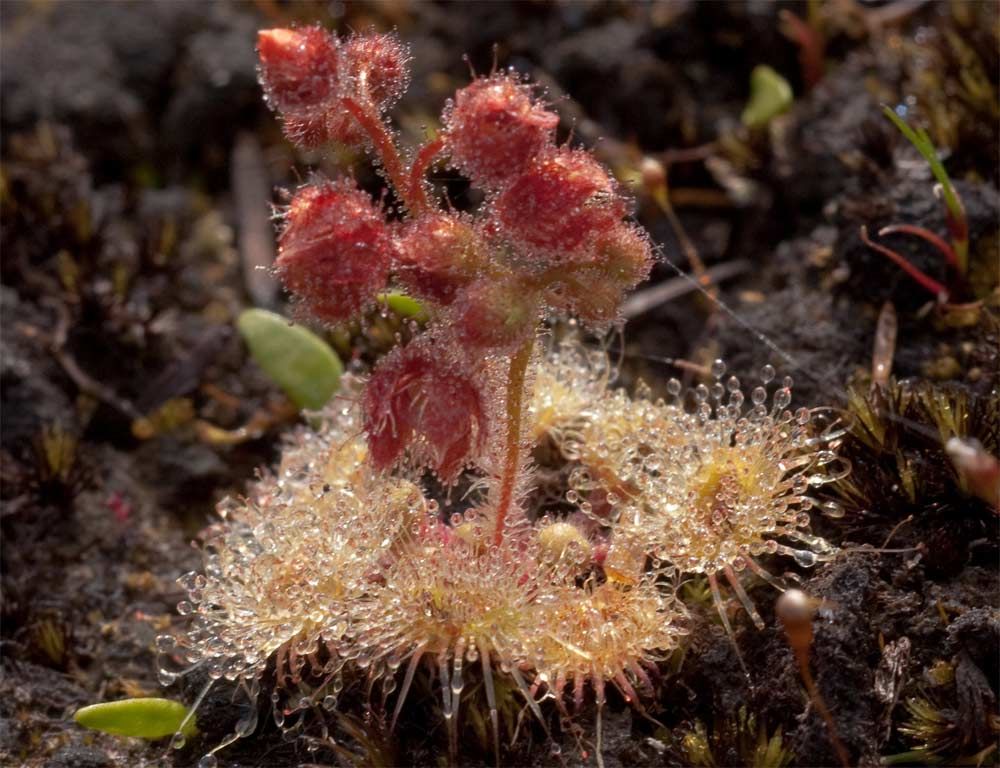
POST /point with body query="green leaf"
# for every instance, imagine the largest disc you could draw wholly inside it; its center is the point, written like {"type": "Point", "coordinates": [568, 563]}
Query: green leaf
{"type": "Point", "coordinates": [403, 305]}
{"type": "Point", "coordinates": [770, 95]}
{"type": "Point", "coordinates": [296, 359]}
{"type": "Point", "coordinates": [139, 718]}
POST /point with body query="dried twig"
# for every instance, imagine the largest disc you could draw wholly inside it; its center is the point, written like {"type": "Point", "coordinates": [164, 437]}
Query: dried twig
{"type": "Point", "coordinates": [648, 298]}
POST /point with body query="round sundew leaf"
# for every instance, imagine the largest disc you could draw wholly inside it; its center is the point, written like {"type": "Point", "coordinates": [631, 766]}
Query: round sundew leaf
{"type": "Point", "coordinates": [296, 359]}
{"type": "Point", "coordinates": [148, 718]}
{"type": "Point", "coordinates": [403, 305]}
{"type": "Point", "coordinates": [770, 95]}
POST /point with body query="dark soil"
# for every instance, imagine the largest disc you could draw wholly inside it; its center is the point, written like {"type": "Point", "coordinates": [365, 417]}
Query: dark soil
{"type": "Point", "coordinates": [137, 160]}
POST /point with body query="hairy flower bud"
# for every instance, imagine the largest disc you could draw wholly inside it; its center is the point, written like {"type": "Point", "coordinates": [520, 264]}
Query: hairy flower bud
{"type": "Point", "coordinates": [496, 313]}
{"type": "Point", "coordinates": [420, 400]}
{"type": "Point", "coordinates": [306, 72]}
{"type": "Point", "coordinates": [593, 291]}
{"type": "Point", "coordinates": [298, 67]}
{"type": "Point", "coordinates": [439, 254]}
{"type": "Point", "coordinates": [378, 67]}
{"type": "Point", "coordinates": [299, 70]}
{"type": "Point", "coordinates": [494, 128]}
{"type": "Point", "coordinates": [335, 250]}
{"type": "Point", "coordinates": [560, 204]}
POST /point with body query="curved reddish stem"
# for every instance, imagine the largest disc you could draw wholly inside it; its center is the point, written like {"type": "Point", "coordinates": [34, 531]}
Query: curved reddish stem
{"type": "Point", "coordinates": [421, 164]}
{"type": "Point", "coordinates": [925, 280]}
{"type": "Point", "coordinates": [371, 121]}
{"type": "Point", "coordinates": [924, 234]}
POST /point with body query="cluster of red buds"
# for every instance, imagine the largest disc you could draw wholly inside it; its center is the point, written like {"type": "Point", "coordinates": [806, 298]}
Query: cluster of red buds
{"type": "Point", "coordinates": [549, 238]}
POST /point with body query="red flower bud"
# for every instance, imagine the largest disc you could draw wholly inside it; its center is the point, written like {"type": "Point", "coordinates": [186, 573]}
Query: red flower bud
{"type": "Point", "coordinates": [624, 254]}
{"type": "Point", "coordinates": [298, 67]}
{"type": "Point", "coordinates": [560, 204]}
{"type": "Point", "coordinates": [299, 74]}
{"type": "Point", "coordinates": [438, 254]}
{"type": "Point", "coordinates": [494, 128]}
{"type": "Point", "coordinates": [335, 250]}
{"type": "Point", "coordinates": [419, 399]}
{"type": "Point", "coordinates": [378, 66]}
{"type": "Point", "coordinates": [492, 313]}
{"type": "Point", "coordinates": [306, 71]}
{"type": "Point", "coordinates": [593, 290]}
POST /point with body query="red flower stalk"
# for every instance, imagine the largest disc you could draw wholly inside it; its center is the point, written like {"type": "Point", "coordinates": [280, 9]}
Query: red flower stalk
{"type": "Point", "coordinates": [550, 236]}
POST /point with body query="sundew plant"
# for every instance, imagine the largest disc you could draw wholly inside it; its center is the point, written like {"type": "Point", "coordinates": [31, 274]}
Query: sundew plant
{"type": "Point", "coordinates": [485, 505]}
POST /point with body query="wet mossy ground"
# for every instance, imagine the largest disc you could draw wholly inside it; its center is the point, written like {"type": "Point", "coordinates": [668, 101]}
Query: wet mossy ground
{"type": "Point", "coordinates": [136, 153]}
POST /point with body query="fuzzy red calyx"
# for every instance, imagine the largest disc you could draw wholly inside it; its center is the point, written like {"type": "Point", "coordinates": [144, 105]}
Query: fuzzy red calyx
{"type": "Point", "coordinates": [298, 67]}
{"type": "Point", "coordinates": [378, 66]}
{"type": "Point", "coordinates": [496, 313]}
{"type": "Point", "coordinates": [560, 204]}
{"type": "Point", "coordinates": [419, 400]}
{"type": "Point", "coordinates": [335, 251]}
{"type": "Point", "coordinates": [495, 128]}
{"type": "Point", "coordinates": [438, 254]}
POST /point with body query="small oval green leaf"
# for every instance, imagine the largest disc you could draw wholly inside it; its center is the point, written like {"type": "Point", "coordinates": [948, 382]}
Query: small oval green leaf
{"type": "Point", "coordinates": [296, 359]}
{"type": "Point", "coordinates": [403, 305]}
{"type": "Point", "coordinates": [140, 718]}
{"type": "Point", "coordinates": [770, 95]}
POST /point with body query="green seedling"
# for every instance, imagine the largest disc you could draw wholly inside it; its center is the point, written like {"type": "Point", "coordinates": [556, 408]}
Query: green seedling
{"type": "Point", "coordinates": [958, 225]}
{"type": "Point", "coordinates": [770, 96]}
{"type": "Point", "coordinates": [146, 718]}
{"type": "Point", "coordinates": [296, 359]}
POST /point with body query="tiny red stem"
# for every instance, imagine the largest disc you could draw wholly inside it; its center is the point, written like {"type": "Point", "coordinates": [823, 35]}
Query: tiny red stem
{"type": "Point", "coordinates": [369, 119]}
{"type": "Point", "coordinates": [421, 164]}
{"type": "Point", "coordinates": [925, 234]}
{"type": "Point", "coordinates": [932, 285]}
{"type": "Point", "coordinates": [810, 43]}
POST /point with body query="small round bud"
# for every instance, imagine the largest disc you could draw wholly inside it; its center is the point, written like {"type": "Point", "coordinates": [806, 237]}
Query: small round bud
{"type": "Point", "coordinates": [335, 250]}
{"type": "Point", "coordinates": [654, 175]}
{"type": "Point", "coordinates": [496, 313]}
{"type": "Point", "coordinates": [593, 291]}
{"type": "Point", "coordinates": [299, 71]}
{"type": "Point", "coordinates": [378, 66]}
{"type": "Point", "coordinates": [439, 254]}
{"type": "Point", "coordinates": [560, 204]}
{"type": "Point", "coordinates": [554, 541]}
{"type": "Point", "coordinates": [795, 607]}
{"type": "Point", "coordinates": [494, 128]}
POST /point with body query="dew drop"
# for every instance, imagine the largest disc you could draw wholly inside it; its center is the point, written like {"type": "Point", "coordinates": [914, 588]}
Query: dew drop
{"type": "Point", "coordinates": [804, 557]}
